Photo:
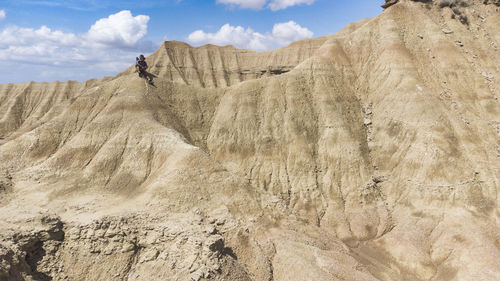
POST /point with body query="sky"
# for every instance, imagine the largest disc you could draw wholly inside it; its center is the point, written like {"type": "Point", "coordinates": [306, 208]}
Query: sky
{"type": "Point", "coordinates": [49, 40]}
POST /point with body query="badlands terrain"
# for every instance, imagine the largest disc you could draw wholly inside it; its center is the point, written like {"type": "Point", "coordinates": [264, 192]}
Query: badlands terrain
{"type": "Point", "coordinates": [371, 154]}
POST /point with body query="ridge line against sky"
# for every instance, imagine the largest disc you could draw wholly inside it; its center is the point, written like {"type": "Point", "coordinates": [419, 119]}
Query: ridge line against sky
{"type": "Point", "coordinates": [83, 39]}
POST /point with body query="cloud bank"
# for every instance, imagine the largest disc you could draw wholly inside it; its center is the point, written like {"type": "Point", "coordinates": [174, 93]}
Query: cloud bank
{"type": "Point", "coordinates": [274, 5]}
{"type": "Point", "coordinates": [283, 4]}
{"type": "Point", "coordinates": [246, 38]}
{"type": "Point", "coordinates": [244, 4]}
{"type": "Point", "coordinates": [110, 45]}
{"type": "Point", "coordinates": [2, 14]}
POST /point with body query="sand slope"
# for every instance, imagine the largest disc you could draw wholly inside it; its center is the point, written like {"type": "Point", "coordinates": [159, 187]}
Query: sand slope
{"type": "Point", "coordinates": [371, 154]}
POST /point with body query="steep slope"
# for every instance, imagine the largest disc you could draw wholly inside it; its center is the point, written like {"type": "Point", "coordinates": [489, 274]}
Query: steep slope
{"type": "Point", "coordinates": [26, 106]}
{"type": "Point", "coordinates": [211, 66]}
{"type": "Point", "coordinates": [372, 154]}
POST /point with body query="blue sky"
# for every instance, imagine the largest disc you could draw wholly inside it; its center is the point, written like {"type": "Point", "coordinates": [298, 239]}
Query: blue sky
{"type": "Point", "coordinates": [43, 40]}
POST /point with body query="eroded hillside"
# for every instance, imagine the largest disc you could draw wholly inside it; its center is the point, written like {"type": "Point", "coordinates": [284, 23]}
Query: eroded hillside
{"type": "Point", "coordinates": [371, 154]}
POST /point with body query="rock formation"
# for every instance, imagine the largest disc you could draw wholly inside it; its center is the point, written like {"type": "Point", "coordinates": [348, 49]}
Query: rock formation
{"type": "Point", "coordinates": [371, 154]}
{"type": "Point", "coordinates": [389, 3]}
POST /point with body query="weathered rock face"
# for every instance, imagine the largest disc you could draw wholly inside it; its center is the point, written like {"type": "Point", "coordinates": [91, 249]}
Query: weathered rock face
{"type": "Point", "coordinates": [389, 3]}
{"type": "Point", "coordinates": [211, 66]}
{"type": "Point", "coordinates": [372, 154]}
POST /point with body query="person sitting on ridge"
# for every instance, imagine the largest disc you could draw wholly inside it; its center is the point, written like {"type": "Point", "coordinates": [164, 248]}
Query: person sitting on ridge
{"type": "Point", "coordinates": [141, 66]}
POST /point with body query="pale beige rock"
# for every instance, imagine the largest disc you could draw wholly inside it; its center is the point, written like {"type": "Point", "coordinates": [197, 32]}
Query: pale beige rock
{"type": "Point", "coordinates": [370, 154]}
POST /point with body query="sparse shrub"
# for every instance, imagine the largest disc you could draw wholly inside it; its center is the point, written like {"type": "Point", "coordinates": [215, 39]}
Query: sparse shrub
{"type": "Point", "coordinates": [464, 19]}
{"type": "Point", "coordinates": [428, 3]}
{"type": "Point", "coordinates": [454, 5]}
{"type": "Point", "coordinates": [495, 2]}
{"type": "Point", "coordinates": [446, 3]}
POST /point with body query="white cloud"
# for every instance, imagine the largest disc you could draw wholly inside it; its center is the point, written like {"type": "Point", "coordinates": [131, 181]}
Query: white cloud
{"type": "Point", "coordinates": [282, 34]}
{"type": "Point", "coordinates": [288, 32]}
{"type": "Point", "coordinates": [120, 29]}
{"type": "Point", "coordinates": [110, 45]}
{"type": "Point", "coordinates": [2, 14]}
{"type": "Point", "coordinates": [283, 4]}
{"type": "Point", "coordinates": [244, 4]}
{"type": "Point", "coordinates": [231, 35]}
{"type": "Point", "coordinates": [259, 4]}
{"type": "Point", "coordinates": [18, 36]}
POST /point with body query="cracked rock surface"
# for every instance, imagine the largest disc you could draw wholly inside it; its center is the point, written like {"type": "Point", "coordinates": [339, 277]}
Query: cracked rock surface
{"type": "Point", "coordinates": [370, 154]}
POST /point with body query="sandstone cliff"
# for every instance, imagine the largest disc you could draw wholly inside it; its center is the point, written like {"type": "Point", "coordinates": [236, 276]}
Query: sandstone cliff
{"type": "Point", "coordinates": [371, 154]}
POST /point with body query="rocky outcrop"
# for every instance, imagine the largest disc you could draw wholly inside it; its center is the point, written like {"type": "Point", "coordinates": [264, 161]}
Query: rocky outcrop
{"type": "Point", "coordinates": [211, 66]}
{"type": "Point", "coordinates": [375, 157]}
{"type": "Point", "coordinates": [389, 3]}
{"type": "Point", "coordinates": [26, 255]}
